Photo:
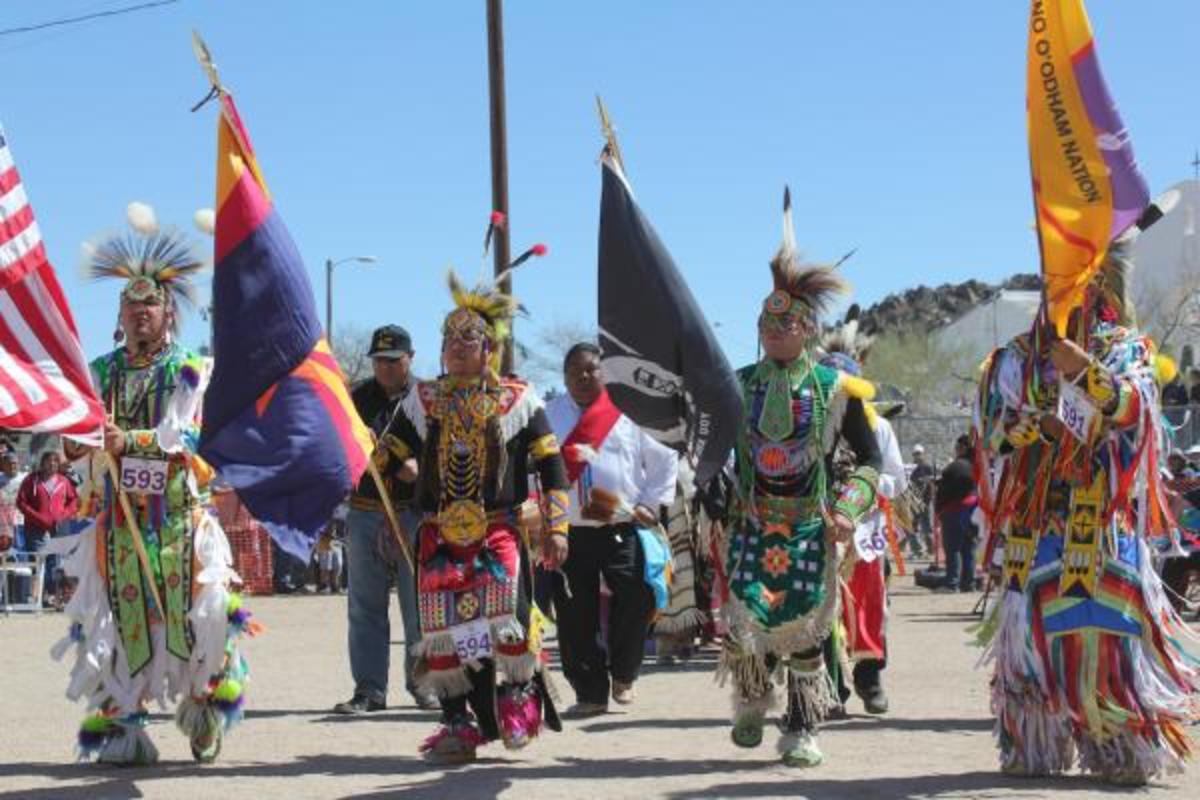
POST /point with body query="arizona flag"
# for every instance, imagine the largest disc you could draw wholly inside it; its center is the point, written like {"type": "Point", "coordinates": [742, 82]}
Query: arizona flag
{"type": "Point", "coordinates": [1086, 185]}
{"type": "Point", "coordinates": [278, 421]}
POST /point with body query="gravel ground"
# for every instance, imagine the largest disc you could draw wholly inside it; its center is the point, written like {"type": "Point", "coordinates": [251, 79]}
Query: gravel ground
{"type": "Point", "coordinates": [672, 743]}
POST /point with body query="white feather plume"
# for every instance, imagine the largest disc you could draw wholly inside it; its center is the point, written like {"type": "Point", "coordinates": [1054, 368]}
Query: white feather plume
{"type": "Point", "coordinates": [584, 452]}
{"type": "Point", "coordinates": [142, 218]}
{"type": "Point", "coordinates": [206, 221]}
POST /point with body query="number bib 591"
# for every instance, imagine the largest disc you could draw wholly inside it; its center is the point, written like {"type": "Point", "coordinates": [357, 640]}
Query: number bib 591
{"type": "Point", "coordinates": [144, 475]}
{"type": "Point", "coordinates": [1075, 410]}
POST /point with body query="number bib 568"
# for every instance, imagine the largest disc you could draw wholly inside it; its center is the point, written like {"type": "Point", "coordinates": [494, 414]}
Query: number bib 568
{"type": "Point", "coordinates": [144, 475]}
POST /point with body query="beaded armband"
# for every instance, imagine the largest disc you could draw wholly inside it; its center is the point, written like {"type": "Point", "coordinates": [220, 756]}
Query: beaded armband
{"type": "Point", "coordinates": [142, 443]}
{"type": "Point", "coordinates": [557, 505]}
{"type": "Point", "coordinates": [858, 496]}
{"type": "Point", "coordinates": [1101, 387]}
{"type": "Point", "coordinates": [1022, 433]}
{"type": "Point", "coordinates": [391, 447]}
{"type": "Point", "coordinates": [544, 447]}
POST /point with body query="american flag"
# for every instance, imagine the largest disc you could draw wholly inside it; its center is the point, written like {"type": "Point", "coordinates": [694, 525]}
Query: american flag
{"type": "Point", "coordinates": [45, 385]}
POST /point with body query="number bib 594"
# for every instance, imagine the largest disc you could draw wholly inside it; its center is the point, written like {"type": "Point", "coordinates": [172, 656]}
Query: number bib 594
{"type": "Point", "coordinates": [472, 640]}
{"type": "Point", "coordinates": [144, 475]}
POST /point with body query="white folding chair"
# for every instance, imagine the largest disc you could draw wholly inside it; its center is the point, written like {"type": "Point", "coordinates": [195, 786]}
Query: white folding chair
{"type": "Point", "coordinates": [22, 565]}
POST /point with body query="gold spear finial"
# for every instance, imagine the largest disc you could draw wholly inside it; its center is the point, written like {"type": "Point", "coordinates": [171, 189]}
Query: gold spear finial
{"type": "Point", "coordinates": [610, 134]}
{"type": "Point", "coordinates": [210, 69]}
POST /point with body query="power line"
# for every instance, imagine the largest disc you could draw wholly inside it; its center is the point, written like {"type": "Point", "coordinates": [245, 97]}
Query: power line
{"type": "Point", "coordinates": [97, 15]}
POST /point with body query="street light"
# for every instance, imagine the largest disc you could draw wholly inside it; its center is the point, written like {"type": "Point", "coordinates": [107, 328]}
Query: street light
{"type": "Point", "coordinates": [329, 265]}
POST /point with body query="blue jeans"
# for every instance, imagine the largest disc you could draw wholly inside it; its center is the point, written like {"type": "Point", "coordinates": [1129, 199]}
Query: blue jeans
{"type": "Point", "coordinates": [370, 629]}
{"type": "Point", "coordinates": [958, 540]}
{"type": "Point", "coordinates": [34, 542]}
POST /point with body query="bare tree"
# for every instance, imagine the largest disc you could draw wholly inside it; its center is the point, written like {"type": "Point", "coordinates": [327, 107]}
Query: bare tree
{"type": "Point", "coordinates": [931, 375]}
{"type": "Point", "coordinates": [350, 346]}
{"type": "Point", "coordinates": [541, 360]}
{"type": "Point", "coordinates": [1170, 312]}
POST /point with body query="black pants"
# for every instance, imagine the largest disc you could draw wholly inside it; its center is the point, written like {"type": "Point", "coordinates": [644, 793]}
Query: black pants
{"type": "Point", "coordinates": [615, 552]}
{"type": "Point", "coordinates": [481, 701]}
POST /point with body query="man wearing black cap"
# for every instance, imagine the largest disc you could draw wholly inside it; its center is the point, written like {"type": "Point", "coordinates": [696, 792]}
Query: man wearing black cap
{"type": "Point", "coordinates": [372, 559]}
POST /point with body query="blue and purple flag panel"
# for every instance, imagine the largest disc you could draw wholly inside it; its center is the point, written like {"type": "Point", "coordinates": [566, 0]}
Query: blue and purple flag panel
{"type": "Point", "coordinates": [278, 421]}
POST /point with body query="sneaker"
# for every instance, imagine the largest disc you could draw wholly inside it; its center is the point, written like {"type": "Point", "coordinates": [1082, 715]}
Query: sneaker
{"type": "Point", "coordinates": [454, 742]}
{"type": "Point", "coordinates": [207, 747]}
{"type": "Point", "coordinates": [451, 750]}
{"type": "Point", "coordinates": [426, 701]}
{"type": "Point", "coordinates": [359, 704]}
{"type": "Point", "coordinates": [584, 710]}
{"type": "Point", "coordinates": [874, 700]}
{"type": "Point", "coordinates": [622, 693]}
{"type": "Point", "coordinates": [129, 747]}
{"type": "Point", "coordinates": [837, 712]}
{"type": "Point", "coordinates": [800, 750]}
{"type": "Point", "coordinates": [747, 732]}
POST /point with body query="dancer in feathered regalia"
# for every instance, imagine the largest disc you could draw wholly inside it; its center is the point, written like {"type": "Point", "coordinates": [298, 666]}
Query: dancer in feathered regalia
{"type": "Point", "coordinates": [1089, 659]}
{"type": "Point", "coordinates": [784, 513]}
{"type": "Point", "coordinates": [476, 436]}
{"type": "Point", "coordinates": [862, 638]}
{"type": "Point", "coordinates": [130, 650]}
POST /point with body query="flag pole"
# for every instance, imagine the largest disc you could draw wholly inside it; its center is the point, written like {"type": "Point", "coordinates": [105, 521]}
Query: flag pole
{"type": "Point", "coordinates": [610, 134]}
{"type": "Point", "coordinates": [138, 545]}
{"type": "Point", "coordinates": [499, 145]}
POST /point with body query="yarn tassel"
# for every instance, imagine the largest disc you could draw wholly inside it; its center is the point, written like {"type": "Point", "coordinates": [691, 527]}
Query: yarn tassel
{"type": "Point", "coordinates": [519, 709]}
{"type": "Point", "coordinates": [94, 732]}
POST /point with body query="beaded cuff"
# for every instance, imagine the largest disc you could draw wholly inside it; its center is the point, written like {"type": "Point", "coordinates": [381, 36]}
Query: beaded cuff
{"type": "Point", "coordinates": [557, 509]}
{"type": "Point", "coordinates": [1102, 387]}
{"type": "Point", "coordinates": [544, 447]}
{"type": "Point", "coordinates": [142, 443]}
{"type": "Point", "coordinates": [858, 496]}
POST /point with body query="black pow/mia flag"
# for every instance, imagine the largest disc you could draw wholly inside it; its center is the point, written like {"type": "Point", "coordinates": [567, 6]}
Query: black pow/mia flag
{"type": "Point", "coordinates": [663, 366]}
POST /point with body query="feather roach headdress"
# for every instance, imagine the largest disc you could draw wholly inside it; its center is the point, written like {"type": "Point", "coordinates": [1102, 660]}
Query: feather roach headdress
{"type": "Point", "coordinates": [846, 346]}
{"type": "Point", "coordinates": [1113, 284]}
{"type": "Point", "coordinates": [801, 290]}
{"type": "Point", "coordinates": [154, 263]}
{"type": "Point", "coordinates": [486, 311]}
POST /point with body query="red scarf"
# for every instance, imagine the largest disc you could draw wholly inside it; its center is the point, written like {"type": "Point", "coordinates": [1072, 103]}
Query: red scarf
{"type": "Point", "coordinates": [592, 429]}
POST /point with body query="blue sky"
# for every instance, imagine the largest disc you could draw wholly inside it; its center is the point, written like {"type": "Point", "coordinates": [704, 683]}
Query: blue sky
{"type": "Point", "coordinates": [899, 126]}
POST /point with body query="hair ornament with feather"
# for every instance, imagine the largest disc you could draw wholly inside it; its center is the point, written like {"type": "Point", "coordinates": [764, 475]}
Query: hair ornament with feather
{"type": "Point", "coordinates": [155, 263]}
{"type": "Point", "coordinates": [846, 346]}
{"type": "Point", "coordinates": [803, 290]}
{"type": "Point", "coordinates": [486, 311]}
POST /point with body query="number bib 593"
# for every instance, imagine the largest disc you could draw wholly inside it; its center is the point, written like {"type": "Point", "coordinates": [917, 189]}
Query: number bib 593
{"type": "Point", "coordinates": [144, 475]}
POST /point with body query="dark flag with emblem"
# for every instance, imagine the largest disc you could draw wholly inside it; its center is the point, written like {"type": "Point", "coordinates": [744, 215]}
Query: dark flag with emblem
{"type": "Point", "coordinates": [663, 365]}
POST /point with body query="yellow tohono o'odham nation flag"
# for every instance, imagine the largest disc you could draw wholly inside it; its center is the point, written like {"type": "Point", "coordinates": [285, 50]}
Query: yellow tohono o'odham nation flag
{"type": "Point", "coordinates": [1086, 185]}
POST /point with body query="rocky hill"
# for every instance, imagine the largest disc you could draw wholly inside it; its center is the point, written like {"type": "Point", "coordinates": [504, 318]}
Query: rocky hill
{"type": "Point", "coordinates": [925, 308]}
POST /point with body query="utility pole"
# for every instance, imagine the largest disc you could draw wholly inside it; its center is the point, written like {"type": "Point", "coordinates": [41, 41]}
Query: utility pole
{"type": "Point", "coordinates": [329, 300]}
{"type": "Point", "coordinates": [499, 141]}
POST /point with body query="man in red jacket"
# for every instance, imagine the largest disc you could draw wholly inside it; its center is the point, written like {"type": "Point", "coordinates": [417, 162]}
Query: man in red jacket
{"type": "Point", "coordinates": [46, 499]}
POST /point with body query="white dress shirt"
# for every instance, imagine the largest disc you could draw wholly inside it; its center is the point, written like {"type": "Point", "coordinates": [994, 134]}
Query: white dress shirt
{"type": "Point", "coordinates": [893, 478]}
{"type": "Point", "coordinates": [628, 463]}
{"type": "Point", "coordinates": [870, 537]}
